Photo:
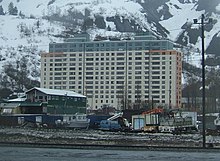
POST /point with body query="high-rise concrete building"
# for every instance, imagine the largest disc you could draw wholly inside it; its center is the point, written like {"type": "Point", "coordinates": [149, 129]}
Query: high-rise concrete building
{"type": "Point", "coordinates": [121, 73]}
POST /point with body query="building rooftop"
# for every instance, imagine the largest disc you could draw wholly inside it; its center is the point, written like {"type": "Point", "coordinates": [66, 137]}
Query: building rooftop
{"type": "Point", "coordinates": [57, 92]}
{"type": "Point", "coordinates": [17, 99]}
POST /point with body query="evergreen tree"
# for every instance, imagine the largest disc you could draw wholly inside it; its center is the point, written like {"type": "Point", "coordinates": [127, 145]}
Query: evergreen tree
{"type": "Point", "coordinates": [21, 14]}
{"type": "Point", "coordinates": [12, 10]}
{"type": "Point", "coordinates": [100, 22]}
{"type": "Point", "coordinates": [2, 10]}
{"type": "Point", "coordinates": [22, 73]}
{"type": "Point", "coordinates": [109, 28]}
{"type": "Point", "coordinates": [4, 81]}
{"type": "Point", "coordinates": [15, 11]}
{"type": "Point", "coordinates": [38, 24]}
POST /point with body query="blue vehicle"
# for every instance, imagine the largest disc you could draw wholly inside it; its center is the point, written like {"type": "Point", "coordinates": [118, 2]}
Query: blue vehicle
{"type": "Point", "coordinates": [115, 123]}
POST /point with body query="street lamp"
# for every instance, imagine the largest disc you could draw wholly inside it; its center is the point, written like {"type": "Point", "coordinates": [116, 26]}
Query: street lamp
{"type": "Point", "coordinates": [203, 75]}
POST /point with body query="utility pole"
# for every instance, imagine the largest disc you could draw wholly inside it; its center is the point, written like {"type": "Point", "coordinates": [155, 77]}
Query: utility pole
{"type": "Point", "coordinates": [203, 76]}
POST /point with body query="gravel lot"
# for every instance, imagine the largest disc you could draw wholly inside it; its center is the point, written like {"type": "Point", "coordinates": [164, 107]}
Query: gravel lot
{"type": "Point", "coordinates": [96, 137]}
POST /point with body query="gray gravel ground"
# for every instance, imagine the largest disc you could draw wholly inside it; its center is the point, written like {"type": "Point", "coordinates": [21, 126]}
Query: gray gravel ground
{"type": "Point", "coordinates": [71, 136]}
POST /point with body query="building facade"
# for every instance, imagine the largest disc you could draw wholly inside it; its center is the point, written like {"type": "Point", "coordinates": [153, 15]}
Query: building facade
{"type": "Point", "coordinates": [56, 101]}
{"type": "Point", "coordinates": [120, 73]}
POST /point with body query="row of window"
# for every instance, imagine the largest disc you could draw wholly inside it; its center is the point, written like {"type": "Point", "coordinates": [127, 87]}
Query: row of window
{"type": "Point", "coordinates": [101, 101]}
{"type": "Point", "coordinates": [129, 96]}
{"type": "Point", "coordinates": [108, 59]}
{"type": "Point", "coordinates": [111, 43]}
{"type": "Point", "coordinates": [97, 45]}
{"type": "Point", "coordinates": [99, 79]}
{"type": "Point", "coordinates": [111, 68]}
{"type": "Point", "coordinates": [117, 75]}
{"type": "Point", "coordinates": [53, 97]}
{"type": "Point", "coordinates": [119, 87]}
{"type": "Point", "coordinates": [123, 54]}
{"type": "Point", "coordinates": [95, 65]}
{"type": "Point", "coordinates": [118, 54]}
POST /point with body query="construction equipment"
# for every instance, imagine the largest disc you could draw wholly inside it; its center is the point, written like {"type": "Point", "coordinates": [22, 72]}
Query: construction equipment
{"type": "Point", "coordinates": [166, 121]}
{"type": "Point", "coordinates": [115, 123]}
{"type": "Point", "coordinates": [153, 111]}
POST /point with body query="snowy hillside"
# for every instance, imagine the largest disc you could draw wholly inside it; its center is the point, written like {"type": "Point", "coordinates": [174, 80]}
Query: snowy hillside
{"type": "Point", "coordinates": [27, 31]}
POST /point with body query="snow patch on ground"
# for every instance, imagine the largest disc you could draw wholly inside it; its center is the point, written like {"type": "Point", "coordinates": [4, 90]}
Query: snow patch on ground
{"type": "Point", "coordinates": [97, 135]}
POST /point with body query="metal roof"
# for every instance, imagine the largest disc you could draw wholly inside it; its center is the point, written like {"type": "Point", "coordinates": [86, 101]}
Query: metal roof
{"type": "Point", "coordinates": [31, 104]}
{"type": "Point", "coordinates": [17, 100]}
{"type": "Point", "coordinates": [57, 92]}
{"type": "Point", "coordinates": [10, 105]}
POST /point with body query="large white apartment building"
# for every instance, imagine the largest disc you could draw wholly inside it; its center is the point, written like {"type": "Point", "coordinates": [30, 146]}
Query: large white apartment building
{"type": "Point", "coordinates": [118, 73]}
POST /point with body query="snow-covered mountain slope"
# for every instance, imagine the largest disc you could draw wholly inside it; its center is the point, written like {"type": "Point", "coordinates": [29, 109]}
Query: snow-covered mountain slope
{"type": "Point", "coordinates": [28, 30]}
